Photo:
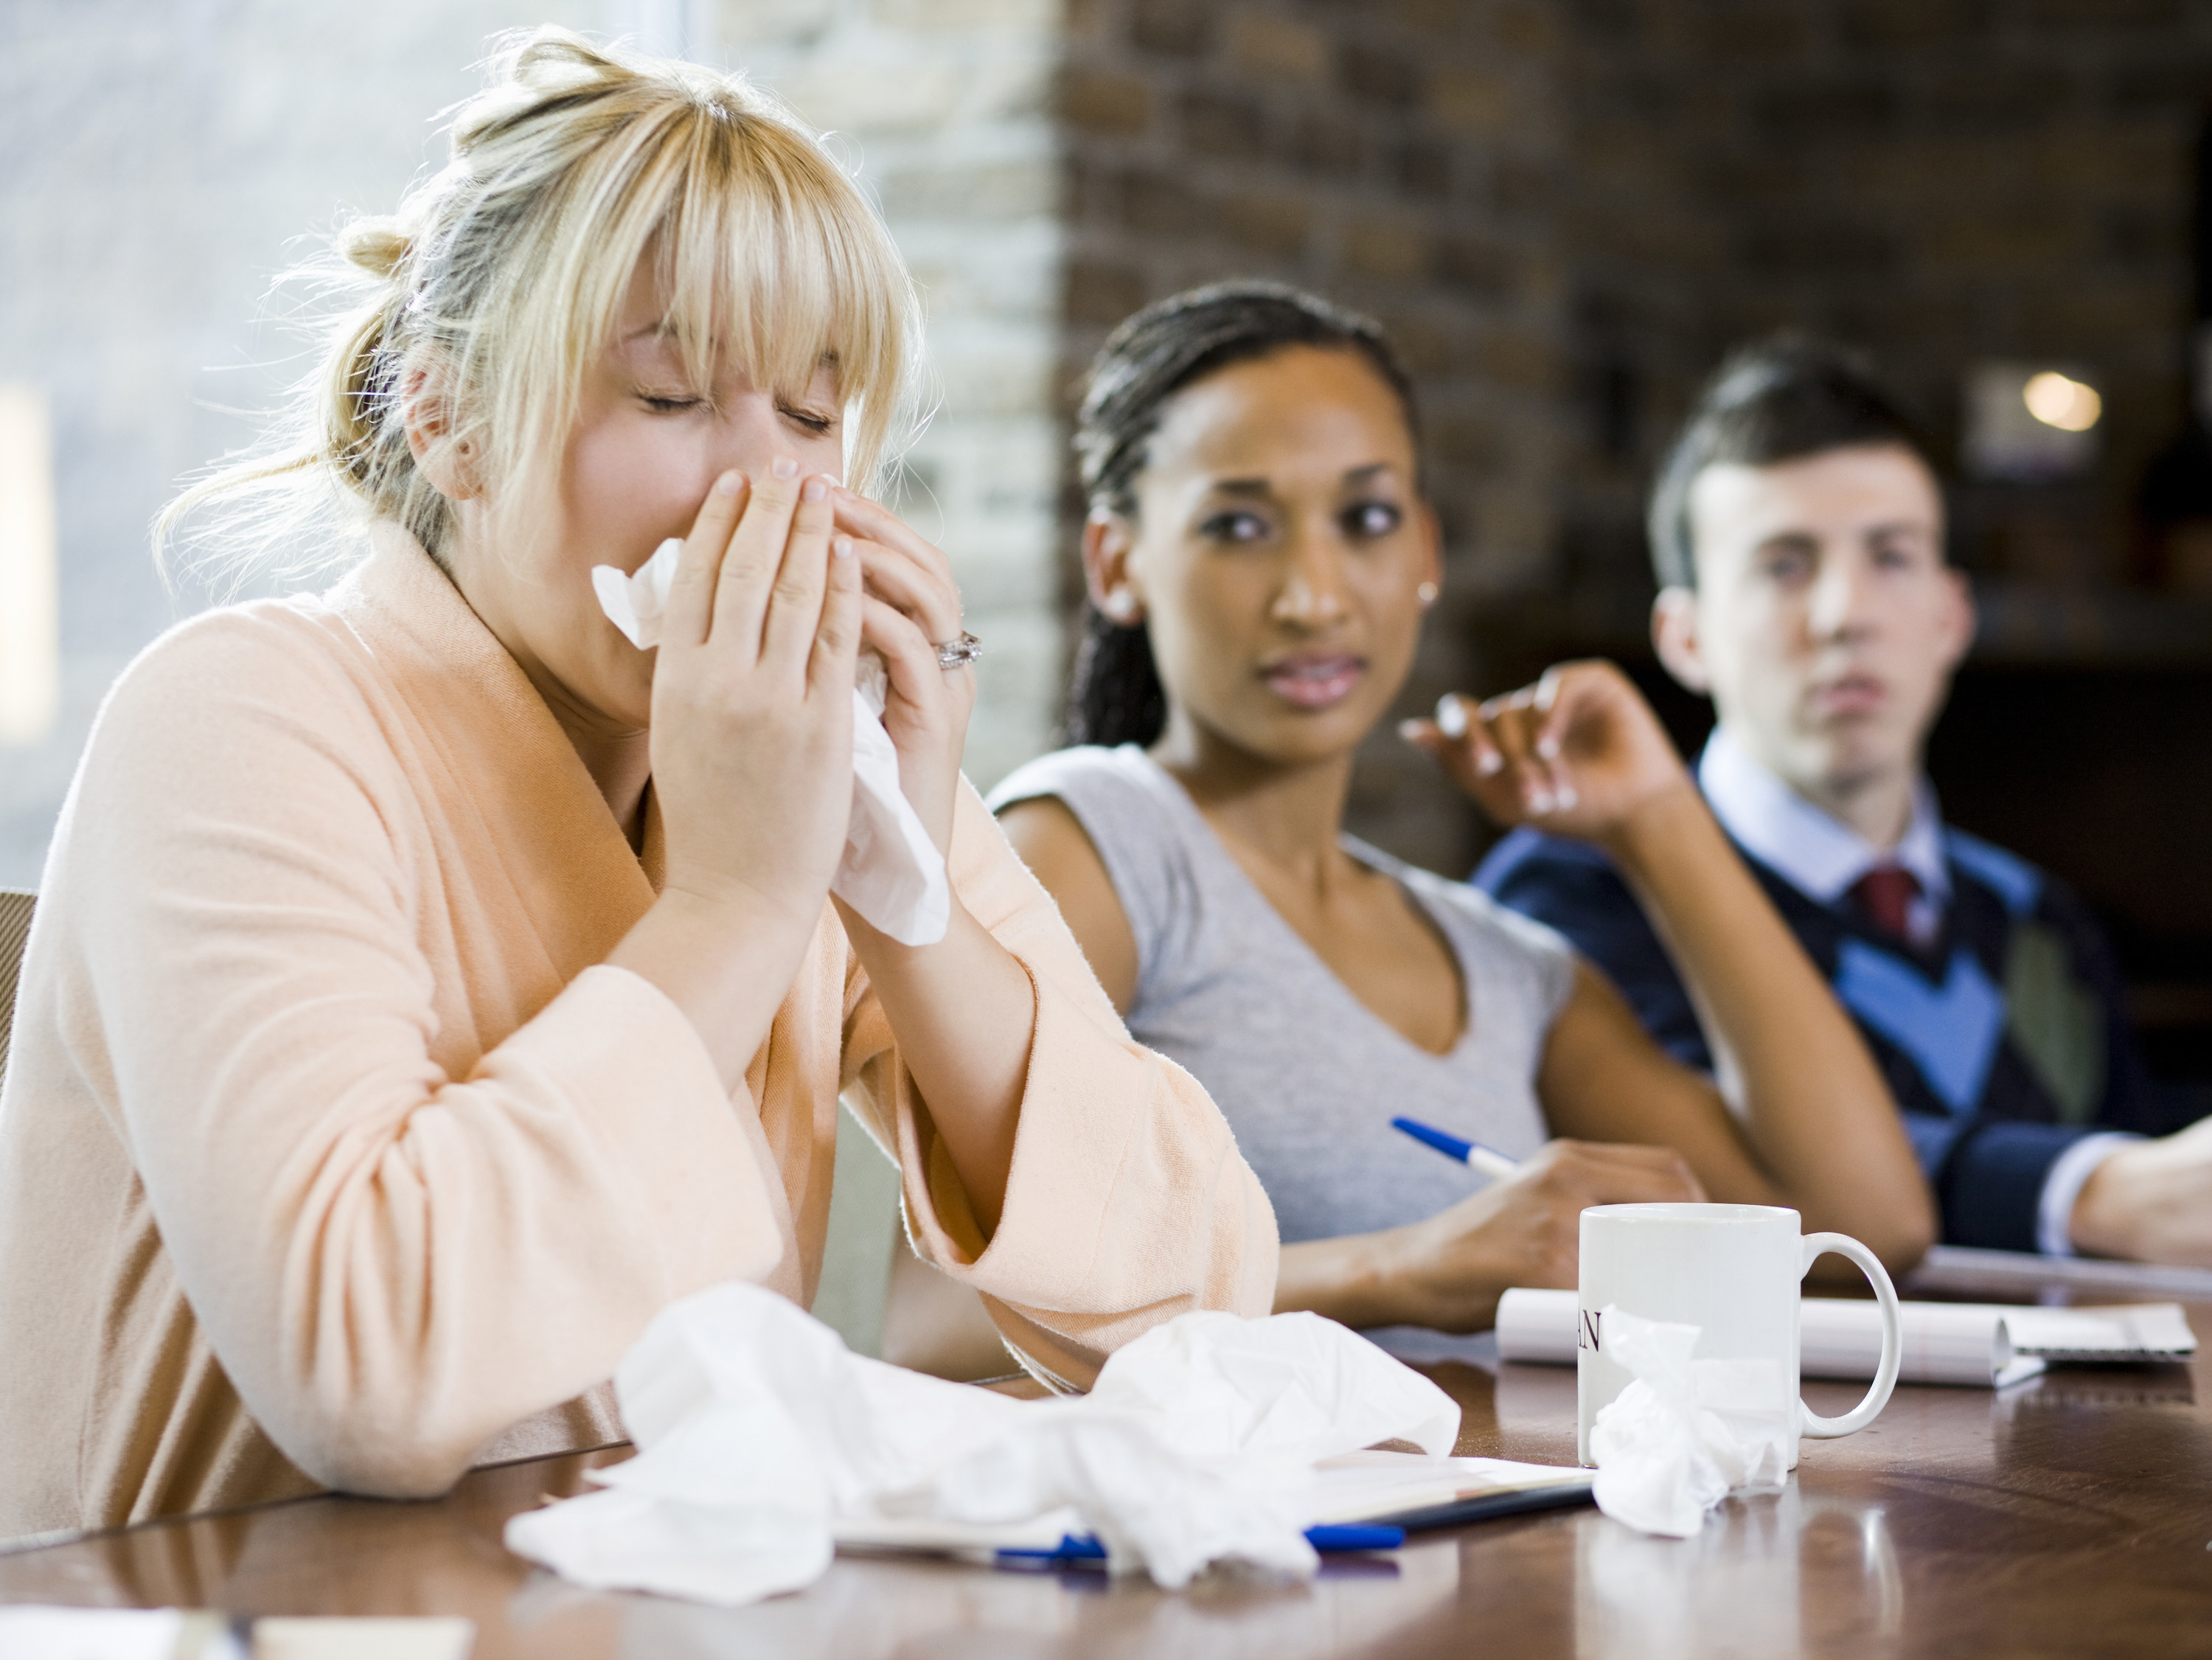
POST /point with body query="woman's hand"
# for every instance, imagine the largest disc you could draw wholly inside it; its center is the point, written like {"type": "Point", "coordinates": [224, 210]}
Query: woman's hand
{"type": "Point", "coordinates": [1447, 1272]}
{"type": "Point", "coordinates": [752, 698]}
{"type": "Point", "coordinates": [1579, 752]}
{"type": "Point", "coordinates": [911, 607]}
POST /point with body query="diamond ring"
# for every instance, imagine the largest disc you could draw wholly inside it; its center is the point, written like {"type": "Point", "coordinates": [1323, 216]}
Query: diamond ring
{"type": "Point", "coordinates": [958, 654]}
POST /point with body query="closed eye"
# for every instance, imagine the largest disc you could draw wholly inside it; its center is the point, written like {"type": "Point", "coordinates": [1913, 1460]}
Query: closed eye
{"type": "Point", "coordinates": [808, 420]}
{"type": "Point", "coordinates": [671, 403]}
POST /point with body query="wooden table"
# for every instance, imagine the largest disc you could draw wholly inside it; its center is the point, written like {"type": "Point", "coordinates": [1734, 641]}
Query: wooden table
{"type": "Point", "coordinates": [2068, 1516]}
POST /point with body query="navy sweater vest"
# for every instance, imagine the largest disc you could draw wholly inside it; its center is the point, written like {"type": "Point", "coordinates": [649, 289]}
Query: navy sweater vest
{"type": "Point", "coordinates": [2003, 1042]}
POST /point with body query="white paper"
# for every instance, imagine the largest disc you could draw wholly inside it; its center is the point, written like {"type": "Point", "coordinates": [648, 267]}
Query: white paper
{"type": "Point", "coordinates": [1961, 1268]}
{"type": "Point", "coordinates": [891, 873]}
{"type": "Point", "coordinates": [1961, 1343]}
{"type": "Point", "coordinates": [357, 1637]}
{"type": "Point", "coordinates": [762, 1438]}
{"type": "Point", "coordinates": [1686, 1432]}
{"type": "Point", "coordinates": [2105, 1335]}
{"type": "Point", "coordinates": [1980, 1344]}
{"type": "Point", "coordinates": [1360, 1486]}
{"type": "Point", "coordinates": [30, 1632]}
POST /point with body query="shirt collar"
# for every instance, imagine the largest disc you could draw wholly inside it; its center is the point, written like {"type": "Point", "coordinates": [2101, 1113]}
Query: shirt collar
{"type": "Point", "coordinates": [1808, 847]}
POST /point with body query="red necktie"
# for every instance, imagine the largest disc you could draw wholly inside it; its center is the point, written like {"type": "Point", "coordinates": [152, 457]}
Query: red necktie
{"type": "Point", "coordinates": [1885, 894]}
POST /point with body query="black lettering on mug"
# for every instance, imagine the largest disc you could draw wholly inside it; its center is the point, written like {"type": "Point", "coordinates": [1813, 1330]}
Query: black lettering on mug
{"type": "Point", "coordinates": [1586, 1329]}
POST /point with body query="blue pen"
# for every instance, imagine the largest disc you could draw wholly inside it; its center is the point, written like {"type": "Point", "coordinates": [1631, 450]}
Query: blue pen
{"type": "Point", "coordinates": [1491, 1162]}
{"type": "Point", "coordinates": [1085, 1547]}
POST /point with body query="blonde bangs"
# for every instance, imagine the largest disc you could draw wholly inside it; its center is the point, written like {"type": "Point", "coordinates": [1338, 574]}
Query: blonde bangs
{"type": "Point", "coordinates": [771, 259]}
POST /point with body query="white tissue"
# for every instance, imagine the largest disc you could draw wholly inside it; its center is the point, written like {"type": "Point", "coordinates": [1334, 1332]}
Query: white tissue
{"type": "Point", "coordinates": [1685, 1433]}
{"type": "Point", "coordinates": [29, 1633]}
{"type": "Point", "coordinates": [759, 1433]}
{"type": "Point", "coordinates": [1291, 1385]}
{"type": "Point", "coordinates": [892, 873]}
{"type": "Point", "coordinates": [66, 1633]}
{"type": "Point", "coordinates": [633, 603]}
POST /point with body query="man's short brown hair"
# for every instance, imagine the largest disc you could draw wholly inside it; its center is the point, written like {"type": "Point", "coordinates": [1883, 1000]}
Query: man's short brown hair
{"type": "Point", "coordinates": [1778, 399]}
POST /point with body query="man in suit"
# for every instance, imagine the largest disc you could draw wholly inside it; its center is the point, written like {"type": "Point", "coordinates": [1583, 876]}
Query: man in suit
{"type": "Point", "coordinates": [1797, 531]}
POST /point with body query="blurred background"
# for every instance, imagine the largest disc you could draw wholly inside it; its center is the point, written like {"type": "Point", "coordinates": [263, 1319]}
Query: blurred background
{"type": "Point", "coordinates": [1564, 209]}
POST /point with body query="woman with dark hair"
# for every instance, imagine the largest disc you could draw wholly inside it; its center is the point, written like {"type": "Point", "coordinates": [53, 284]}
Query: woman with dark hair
{"type": "Point", "coordinates": [1258, 556]}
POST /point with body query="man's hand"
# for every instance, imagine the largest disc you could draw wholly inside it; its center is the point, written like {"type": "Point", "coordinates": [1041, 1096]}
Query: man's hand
{"type": "Point", "coordinates": [2151, 1201]}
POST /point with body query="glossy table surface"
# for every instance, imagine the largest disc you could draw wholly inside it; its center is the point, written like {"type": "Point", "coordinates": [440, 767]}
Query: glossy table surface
{"type": "Point", "coordinates": [2070, 1515]}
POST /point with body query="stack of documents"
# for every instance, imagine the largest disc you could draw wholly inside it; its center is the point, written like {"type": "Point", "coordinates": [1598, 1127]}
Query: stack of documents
{"type": "Point", "coordinates": [1986, 1345]}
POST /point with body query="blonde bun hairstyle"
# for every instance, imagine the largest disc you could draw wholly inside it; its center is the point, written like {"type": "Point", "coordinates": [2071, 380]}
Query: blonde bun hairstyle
{"type": "Point", "coordinates": [501, 277]}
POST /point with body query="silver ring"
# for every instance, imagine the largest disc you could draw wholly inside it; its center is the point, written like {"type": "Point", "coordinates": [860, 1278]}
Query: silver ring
{"type": "Point", "coordinates": [958, 654]}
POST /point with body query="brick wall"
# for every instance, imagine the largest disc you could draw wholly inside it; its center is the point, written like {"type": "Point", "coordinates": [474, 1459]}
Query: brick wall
{"type": "Point", "coordinates": [1403, 157]}
{"type": "Point", "coordinates": [1938, 180]}
{"type": "Point", "coordinates": [946, 106]}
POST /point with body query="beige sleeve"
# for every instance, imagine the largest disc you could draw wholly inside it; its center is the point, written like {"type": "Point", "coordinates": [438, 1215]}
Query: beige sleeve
{"type": "Point", "coordinates": [1127, 1202]}
{"type": "Point", "coordinates": [393, 1264]}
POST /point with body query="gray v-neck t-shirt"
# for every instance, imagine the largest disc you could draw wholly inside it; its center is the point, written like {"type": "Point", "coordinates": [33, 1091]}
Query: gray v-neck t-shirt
{"type": "Point", "coordinates": [1307, 1075]}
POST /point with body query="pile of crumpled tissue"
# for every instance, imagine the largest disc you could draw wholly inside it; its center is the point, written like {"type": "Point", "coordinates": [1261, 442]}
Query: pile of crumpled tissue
{"type": "Point", "coordinates": [1685, 1433]}
{"type": "Point", "coordinates": [759, 1432]}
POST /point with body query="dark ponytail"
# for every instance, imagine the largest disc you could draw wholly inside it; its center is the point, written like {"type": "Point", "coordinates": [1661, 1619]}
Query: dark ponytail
{"type": "Point", "coordinates": [1114, 695]}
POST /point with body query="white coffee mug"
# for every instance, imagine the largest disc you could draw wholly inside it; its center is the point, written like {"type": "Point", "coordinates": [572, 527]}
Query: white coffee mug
{"type": "Point", "coordinates": [1734, 1272]}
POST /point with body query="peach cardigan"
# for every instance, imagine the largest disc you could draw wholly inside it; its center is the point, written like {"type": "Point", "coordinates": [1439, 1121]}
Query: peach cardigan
{"type": "Point", "coordinates": [331, 1154]}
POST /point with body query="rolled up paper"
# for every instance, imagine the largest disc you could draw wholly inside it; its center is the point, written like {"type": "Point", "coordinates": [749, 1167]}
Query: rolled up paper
{"type": "Point", "coordinates": [1961, 1343]}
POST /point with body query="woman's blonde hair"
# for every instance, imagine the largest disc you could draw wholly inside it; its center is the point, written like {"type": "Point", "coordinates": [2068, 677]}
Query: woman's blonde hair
{"type": "Point", "coordinates": [502, 277]}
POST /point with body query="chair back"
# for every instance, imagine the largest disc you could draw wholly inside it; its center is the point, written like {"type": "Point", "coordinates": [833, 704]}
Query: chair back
{"type": "Point", "coordinates": [14, 929]}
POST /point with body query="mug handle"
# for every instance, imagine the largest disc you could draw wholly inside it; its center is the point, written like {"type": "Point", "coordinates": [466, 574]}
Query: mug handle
{"type": "Point", "coordinates": [1892, 1337]}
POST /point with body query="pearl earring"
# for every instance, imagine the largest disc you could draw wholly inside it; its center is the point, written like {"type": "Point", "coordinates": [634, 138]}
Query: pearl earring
{"type": "Point", "coordinates": [1426, 594]}
{"type": "Point", "coordinates": [1121, 606]}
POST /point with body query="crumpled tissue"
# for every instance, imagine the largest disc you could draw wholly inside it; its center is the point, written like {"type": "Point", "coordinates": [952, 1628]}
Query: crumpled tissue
{"type": "Point", "coordinates": [891, 873]}
{"type": "Point", "coordinates": [759, 1432]}
{"type": "Point", "coordinates": [1685, 1433]}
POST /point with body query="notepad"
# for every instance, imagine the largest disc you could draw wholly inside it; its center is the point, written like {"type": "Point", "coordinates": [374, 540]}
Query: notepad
{"type": "Point", "coordinates": [1958, 1267]}
{"type": "Point", "coordinates": [1410, 1491]}
{"type": "Point", "coordinates": [1985, 1345]}
{"type": "Point", "coordinates": [1407, 1490]}
{"type": "Point", "coordinates": [2115, 1335]}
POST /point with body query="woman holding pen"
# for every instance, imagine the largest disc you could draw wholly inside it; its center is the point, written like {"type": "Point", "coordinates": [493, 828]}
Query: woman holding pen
{"type": "Point", "coordinates": [1258, 557]}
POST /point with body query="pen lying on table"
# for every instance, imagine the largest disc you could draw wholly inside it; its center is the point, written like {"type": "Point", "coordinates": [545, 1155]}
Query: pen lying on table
{"type": "Point", "coordinates": [1085, 1547]}
{"type": "Point", "coordinates": [1491, 1162]}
